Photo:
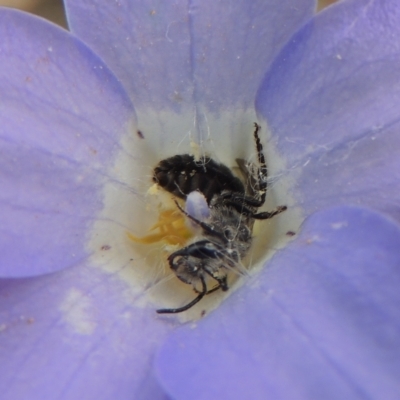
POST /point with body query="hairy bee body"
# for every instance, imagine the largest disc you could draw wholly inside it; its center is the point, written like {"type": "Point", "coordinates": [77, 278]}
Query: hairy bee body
{"type": "Point", "coordinates": [218, 253]}
{"type": "Point", "coordinates": [227, 233]}
{"type": "Point", "coordinates": [182, 174]}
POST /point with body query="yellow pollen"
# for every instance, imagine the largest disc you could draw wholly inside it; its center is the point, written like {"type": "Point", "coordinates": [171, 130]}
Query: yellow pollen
{"type": "Point", "coordinates": [170, 228]}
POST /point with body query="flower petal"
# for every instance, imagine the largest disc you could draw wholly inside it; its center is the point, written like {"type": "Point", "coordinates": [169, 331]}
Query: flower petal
{"type": "Point", "coordinates": [332, 101]}
{"type": "Point", "coordinates": [192, 67]}
{"type": "Point", "coordinates": [234, 43]}
{"type": "Point", "coordinates": [62, 113]}
{"type": "Point", "coordinates": [171, 54]}
{"type": "Point", "coordinates": [322, 321]}
{"type": "Point", "coordinates": [76, 334]}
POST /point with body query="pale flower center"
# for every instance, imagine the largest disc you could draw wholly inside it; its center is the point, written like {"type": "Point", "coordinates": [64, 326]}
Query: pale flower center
{"type": "Point", "coordinates": [140, 224]}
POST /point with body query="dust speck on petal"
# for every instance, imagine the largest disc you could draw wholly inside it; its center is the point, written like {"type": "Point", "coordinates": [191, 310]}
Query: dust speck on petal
{"type": "Point", "coordinates": [339, 225]}
{"type": "Point", "coordinates": [77, 312]}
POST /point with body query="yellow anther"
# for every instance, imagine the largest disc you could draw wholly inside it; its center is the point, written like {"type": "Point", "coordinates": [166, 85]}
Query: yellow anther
{"type": "Point", "coordinates": [170, 228]}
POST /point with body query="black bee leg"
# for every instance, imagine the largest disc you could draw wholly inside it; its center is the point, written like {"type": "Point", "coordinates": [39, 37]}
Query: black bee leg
{"type": "Point", "coordinates": [262, 172]}
{"type": "Point", "coordinates": [222, 284]}
{"type": "Point", "coordinates": [207, 228]}
{"type": "Point", "coordinates": [189, 305]}
{"type": "Point", "coordinates": [214, 289]}
{"type": "Point", "coordinates": [241, 202]}
{"type": "Point", "coordinates": [268, 215]}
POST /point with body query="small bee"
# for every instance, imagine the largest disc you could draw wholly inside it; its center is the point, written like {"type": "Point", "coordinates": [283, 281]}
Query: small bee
{"type": "Point", "coordinates": [227, 233]}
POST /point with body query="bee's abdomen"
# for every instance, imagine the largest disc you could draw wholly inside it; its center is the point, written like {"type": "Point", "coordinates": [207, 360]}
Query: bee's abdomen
{"type": "Point", "coordinates": [182, 174]}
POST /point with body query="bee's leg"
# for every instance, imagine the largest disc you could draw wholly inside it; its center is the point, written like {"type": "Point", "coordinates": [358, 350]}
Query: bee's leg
{"type": "Point", "coordinates": [222, 284]}
{"type": "Point", "coordinates": [240, 202]}
{"type": "Point", "coordinates": [187, 306]}
{"type": "Point", "coordinates": [262, 173]}
{"type": "Point", "coordinates": [207, 228]}
{"type": "Point", "coordinates": [214, 289]}
{"type": "Point", "coordinates": [243, 205]}
{"type": "Point", "coordinates": [268, 215]}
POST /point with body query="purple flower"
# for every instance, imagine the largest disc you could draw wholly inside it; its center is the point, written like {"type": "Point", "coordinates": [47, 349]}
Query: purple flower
{"type": "Point", "coordinates": [77, 312]}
